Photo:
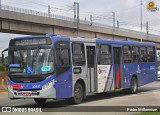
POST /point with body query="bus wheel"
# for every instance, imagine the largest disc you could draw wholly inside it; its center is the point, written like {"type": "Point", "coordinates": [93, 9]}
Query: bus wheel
{"type": "Point", "coordinates": [134, 85]}
{"type": "Point", "coordinates": [40, 101]}
{"type": "Point", "coordinates": [78, 94]}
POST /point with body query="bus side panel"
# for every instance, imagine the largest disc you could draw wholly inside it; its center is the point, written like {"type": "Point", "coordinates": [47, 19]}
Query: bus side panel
{"type": "Point", "coordinates": [64, 85]}
{"type": "Point", "coordinates": [105, 78]}
{"type": "Point", "coordinates": [146, 73]}
{"type": "Point", "coordinates": [150, 72]}
{"type": "Point", "coordinates": [129, 71]}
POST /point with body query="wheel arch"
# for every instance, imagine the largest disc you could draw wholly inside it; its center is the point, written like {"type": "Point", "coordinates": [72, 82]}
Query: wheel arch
{"type": "Point", "coordinates": [134, 76]}
{"type": "Point", "coordinates": [82, 82]}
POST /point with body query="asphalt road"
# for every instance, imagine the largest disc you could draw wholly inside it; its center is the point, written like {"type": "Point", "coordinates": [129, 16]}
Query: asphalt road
{"type": "Point", "coordinates": [148, 95]}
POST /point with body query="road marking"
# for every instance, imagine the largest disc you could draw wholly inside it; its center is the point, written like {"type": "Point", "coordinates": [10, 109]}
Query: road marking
{"type": "Point", "coordinates": [134, 95]}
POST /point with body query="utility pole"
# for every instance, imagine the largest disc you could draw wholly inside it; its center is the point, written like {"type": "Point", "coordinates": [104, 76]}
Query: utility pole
{"type": "Point", "coordinates": [114, 19]}
{"type": "Point", "coordinates": [141, 20]}
{"type": "Point", "coordinates": [91, 20]}
{"type": "Point", "coordinates": [49, 10]}
{"type": "Point", "coordinates": [147, 29]}
{"type": "Point", "coordinates": [0, 8]}
{"type": "Point", "coordinates": [76, 14]}
{"type": "Point", "coordinates": [117, 24]}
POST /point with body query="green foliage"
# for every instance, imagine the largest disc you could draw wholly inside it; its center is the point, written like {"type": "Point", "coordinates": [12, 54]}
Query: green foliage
{"type": "Point", "coordinates": [2, 68]}
{"type": "Point", "coordinates": [148, 113]}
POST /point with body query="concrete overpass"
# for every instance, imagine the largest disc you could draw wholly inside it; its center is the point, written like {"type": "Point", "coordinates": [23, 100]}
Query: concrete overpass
{"type": "Point", "coordinates": [22, 21]}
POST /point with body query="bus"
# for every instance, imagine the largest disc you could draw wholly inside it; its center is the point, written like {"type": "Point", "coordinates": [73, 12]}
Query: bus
{"type": "Point", "coordinates": [51, 66]}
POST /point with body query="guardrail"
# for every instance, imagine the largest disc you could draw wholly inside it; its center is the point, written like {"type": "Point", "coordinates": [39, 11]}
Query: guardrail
{"type": "Point", "coordinates": [44, 14]}
{"type": "Point", "coordinates": [3, 81]}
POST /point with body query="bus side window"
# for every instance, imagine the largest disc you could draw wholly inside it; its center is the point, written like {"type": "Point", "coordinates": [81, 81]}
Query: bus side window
{"type": "Point", "coordinates": [143, 54]}
{"type": "Point", "coordinates": [127, 54]}
{"type": "Point", "coordinates": [62, 56]}
{"type": "Point", "coordinates": [78, 54]}
{"type": "Point", "coordinates": [151, 54]}
{"type": "Point", "coordinates": [104, 55]}
{"type": "Point", "coordinates": [135, 54]}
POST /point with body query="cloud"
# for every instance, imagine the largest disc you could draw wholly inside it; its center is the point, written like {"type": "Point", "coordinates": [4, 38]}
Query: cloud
{"type": "Point", "coordinates": [5, 38]}
{"type": "Point", "coordinates": [126, 10]}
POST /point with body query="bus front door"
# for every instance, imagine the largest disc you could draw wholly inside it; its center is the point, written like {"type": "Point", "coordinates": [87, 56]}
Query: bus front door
{"type": "Point", "coordinates": [117, 67]}
{"type": "Point", "coordinates": [91, 68]}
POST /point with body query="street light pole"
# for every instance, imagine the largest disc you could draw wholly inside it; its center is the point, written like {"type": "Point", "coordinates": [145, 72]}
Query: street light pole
{"type": "Point", "coordinates": [76, 14]}
{"type": "Point", "coordinates": [141, 19]}
{"type": "Point", "coordinates": [0, 8]}
{"type": "Point", "coordinates": [114, 19]}
{"type": "Point", "coordinates": [49, 11]}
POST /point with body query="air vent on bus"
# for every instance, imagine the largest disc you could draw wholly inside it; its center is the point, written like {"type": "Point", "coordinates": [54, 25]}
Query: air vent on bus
{"type": "Point", "coordinates": [51, 34]}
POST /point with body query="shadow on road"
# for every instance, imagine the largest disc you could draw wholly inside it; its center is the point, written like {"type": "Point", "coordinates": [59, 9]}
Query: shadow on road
{"type": "Point", "coordinates": [66, 102]}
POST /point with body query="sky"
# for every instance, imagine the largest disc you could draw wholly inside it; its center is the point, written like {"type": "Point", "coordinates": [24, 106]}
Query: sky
{"type": "Point", "coordinates": [127, 12]}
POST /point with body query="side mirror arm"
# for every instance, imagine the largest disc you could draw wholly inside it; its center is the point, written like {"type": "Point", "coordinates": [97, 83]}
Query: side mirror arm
{"type": "Point", "coordinates": [3, 57]}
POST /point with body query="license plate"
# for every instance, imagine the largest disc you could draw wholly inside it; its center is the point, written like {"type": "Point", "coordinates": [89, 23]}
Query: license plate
{"type": "Point", "coordinates": [26, 93]}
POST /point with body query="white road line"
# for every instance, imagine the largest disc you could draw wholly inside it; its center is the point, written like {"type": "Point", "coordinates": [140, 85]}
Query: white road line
{"type": "Point", "coordinates": [134, 95]}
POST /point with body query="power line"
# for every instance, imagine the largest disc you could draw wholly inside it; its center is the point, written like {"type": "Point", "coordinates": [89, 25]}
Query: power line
{"type": "Point", "coordinates": [127, 9]}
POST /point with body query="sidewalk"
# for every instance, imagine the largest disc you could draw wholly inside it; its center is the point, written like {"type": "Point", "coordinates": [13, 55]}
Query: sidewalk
{"type": "Point", "coordinates": [3, 92]}
{"type": "Point", "coordinates": [3, 81]}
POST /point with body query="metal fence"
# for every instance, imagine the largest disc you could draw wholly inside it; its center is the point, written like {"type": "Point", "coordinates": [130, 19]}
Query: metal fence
{"type": "Point", "coordinates": [38, 13]}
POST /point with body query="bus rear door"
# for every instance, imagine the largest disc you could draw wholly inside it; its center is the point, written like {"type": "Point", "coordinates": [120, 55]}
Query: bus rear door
{"type": "Point", "coordinates": [118, 73]}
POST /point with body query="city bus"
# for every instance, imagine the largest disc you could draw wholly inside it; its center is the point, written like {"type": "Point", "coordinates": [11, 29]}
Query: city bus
{"type": "Point", "coordinates": [51, 66]}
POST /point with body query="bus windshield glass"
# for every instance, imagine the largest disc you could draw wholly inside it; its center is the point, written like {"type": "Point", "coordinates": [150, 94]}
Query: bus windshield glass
{"type": "Point", "coordinates": [31, 61]}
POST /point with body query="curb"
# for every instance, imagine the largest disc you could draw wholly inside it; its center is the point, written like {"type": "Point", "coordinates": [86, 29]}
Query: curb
{"type": "Point", "coordinates": [1, 91]}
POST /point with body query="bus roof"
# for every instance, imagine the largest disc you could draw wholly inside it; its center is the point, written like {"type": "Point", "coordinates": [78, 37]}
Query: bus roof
{"type": "Point", "coordinates": [112, 41]}
{"type": "Point", "coordinates": [97, 40]}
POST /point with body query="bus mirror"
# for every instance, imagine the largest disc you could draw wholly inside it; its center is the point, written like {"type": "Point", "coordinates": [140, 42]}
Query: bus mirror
{"type": "Point", "coordinates": [3, 58]}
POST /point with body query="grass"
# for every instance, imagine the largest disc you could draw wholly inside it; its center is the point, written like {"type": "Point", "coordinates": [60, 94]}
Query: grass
{"type": "Point", "coordinates": [148, 113]}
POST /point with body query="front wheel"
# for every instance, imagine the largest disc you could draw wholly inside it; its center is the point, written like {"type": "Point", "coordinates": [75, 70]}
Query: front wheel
{"type": "Point", "coordinates": [134, 85]}
{"type": "Point", "coordinates": [40, 101]}
{"type": "Point", "coordinates": [78, 94]}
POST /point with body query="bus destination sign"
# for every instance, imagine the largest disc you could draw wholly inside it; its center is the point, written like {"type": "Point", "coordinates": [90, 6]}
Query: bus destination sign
{"type": "Point", "coordinates": [25, 42]}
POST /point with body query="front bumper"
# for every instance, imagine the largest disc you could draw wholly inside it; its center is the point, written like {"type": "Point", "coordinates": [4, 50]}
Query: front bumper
{"type": "Point", "coordinates": [49, 92]}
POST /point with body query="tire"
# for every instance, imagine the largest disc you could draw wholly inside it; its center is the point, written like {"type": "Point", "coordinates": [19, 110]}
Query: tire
{"type": "Point", "coordinates": [134, 86]}
{"type": "Point", "coordinates": [78, 94]}
{"type": "Point", "coordinates": [40, 101]}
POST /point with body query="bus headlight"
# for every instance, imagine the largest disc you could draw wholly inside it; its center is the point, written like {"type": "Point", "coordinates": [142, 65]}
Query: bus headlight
{"type": "Point", "coordinates": [50, 83]}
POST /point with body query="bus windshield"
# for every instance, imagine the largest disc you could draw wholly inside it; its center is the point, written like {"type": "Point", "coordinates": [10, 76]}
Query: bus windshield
{"type": "Point", "coordinates": [31, 61]}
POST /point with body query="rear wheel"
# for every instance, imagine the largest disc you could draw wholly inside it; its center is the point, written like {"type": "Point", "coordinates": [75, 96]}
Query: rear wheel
{"type": "Point", "coordinates": [78, 94]}
{"type": "Point", "coordinates": [134, 85]}
{"type": "Point", "coordinates": [40, 101]}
